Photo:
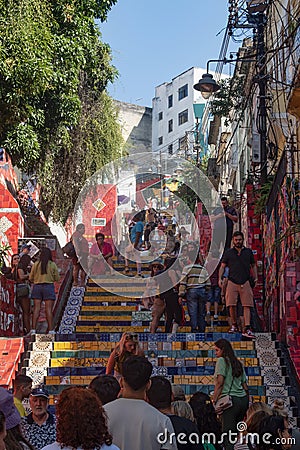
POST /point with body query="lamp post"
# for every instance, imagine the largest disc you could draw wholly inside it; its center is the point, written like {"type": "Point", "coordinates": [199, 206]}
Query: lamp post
{"type": "Point", "coordinates": [207, 85]}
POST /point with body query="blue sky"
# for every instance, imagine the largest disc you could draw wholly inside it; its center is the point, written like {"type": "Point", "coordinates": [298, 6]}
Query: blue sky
{"type": "Point", "coordinates": [153, 41]}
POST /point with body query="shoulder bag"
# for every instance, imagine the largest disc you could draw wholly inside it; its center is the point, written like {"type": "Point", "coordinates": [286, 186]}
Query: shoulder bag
{"type": "Point", "coordinates": [224, 403]}
{"type": "Point", "coordinates": [69, 250]}
{"type": "Point", "coordinates": [23, 290]}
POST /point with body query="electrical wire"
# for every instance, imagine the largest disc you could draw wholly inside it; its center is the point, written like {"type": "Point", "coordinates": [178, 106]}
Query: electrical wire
{"type": "Point", "coordinates": [282, 68]}
{"type": "Point", "coordinates": [265, 64]}
{"type": "Point", "coordinates": [288, 11]}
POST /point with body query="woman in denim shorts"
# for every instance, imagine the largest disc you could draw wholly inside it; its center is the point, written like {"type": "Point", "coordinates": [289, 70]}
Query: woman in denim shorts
{"type": "Point", "coordinates": [43, 275]}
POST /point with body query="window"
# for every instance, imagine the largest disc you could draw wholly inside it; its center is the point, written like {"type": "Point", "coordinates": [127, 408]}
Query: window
{"type": "Point", "coordinates": [160, 140]}
{"type": "Point", "coordinates": [183, 117]}
{"type": "Point", "coordinates": [170, 125]}
{"type": "Point", "coordinates": [170, 149]}
{"type": "Point", "coordinates": [182, 143]}
{"type": "Point", "coordinates": [183, 92]}
{"type": "Point", "coordinates": [170, 101]}
{"type": "Point", "coordinates": [160, 115]}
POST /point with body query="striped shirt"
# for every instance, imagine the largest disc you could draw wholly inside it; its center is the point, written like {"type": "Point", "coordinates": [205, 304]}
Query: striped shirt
{"type": "Point", "coordinates": [194, 276]}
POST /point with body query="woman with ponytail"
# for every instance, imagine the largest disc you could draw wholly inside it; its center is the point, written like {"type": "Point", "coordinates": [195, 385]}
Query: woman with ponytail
{"type": "Point", "coordinates": [230, 379]}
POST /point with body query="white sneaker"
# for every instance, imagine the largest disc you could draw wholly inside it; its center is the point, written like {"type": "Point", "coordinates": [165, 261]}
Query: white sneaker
{"type": "Point", "coordinates": [249, 334]}
{"type": "Point", "coordinates": [51, 332]}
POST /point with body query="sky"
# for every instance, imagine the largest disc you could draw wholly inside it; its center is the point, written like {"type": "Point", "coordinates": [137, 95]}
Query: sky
{"type": "Point", "coordinates": [153, 41]}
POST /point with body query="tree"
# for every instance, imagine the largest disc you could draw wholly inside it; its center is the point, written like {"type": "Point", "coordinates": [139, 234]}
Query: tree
{"type": "Point", "coordinates": [229, 97]}
{"type": "Point", "coordinates": [53, 73]}
{"type": "Point", "coordinates": [95, 141]}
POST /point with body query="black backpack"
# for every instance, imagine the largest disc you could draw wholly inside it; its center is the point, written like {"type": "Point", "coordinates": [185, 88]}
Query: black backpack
{"type": "Point", "coordinates": [69, 250]}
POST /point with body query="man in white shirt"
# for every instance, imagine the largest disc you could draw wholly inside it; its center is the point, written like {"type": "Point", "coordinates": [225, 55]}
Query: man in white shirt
{"type": "Point", "coordinates": [133, 423]}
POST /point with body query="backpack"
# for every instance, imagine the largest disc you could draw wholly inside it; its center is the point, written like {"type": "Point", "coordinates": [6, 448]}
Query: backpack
{"type": "Point", "coordinates": [69, 250]}
{"type": "Point", "coordinates": [208, 446]}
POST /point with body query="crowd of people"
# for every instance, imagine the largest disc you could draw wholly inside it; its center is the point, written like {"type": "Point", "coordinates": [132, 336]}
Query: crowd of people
{"type": "Point", "coordinates": [34, 285]}
{"type": "Point", "coordinates": [130, 409]}
{"type": "Point", "coordinates": [221, 282]}
{"type": "Point", "coordinates": [180, 275]}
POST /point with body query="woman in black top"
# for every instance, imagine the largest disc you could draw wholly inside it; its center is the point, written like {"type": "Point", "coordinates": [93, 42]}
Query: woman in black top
{"type": "Point", "coordinates": [20, 276]}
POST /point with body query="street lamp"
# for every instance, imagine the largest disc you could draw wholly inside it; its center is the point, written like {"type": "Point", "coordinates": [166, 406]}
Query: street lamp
{"type": "Point", "coordinates": [207, 86]}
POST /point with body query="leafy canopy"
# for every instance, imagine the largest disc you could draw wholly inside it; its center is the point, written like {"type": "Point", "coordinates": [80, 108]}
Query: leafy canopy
{"type": "Point", "coordinates": [55, 114]}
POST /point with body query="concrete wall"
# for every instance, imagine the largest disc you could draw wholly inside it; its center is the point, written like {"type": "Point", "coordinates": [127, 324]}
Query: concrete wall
{"type": "Point", "coordinates": [136, 122]}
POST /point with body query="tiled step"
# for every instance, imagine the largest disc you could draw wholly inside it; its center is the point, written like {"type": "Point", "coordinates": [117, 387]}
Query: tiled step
{"type": "Point", "coordinates": [111, 308]}
{"type": "Point", "coordinates": [188, 386]}
{"type": "Point", "coordinates": [95, 318]}
{"type": "Point", "coordinates": [165, 342]}
{"type": "Point", "coordinates": [95, 328]}
{"type": "Point", "coordinates": [114, 329]}
{"type": "Point", "coordinates": [174, 358]}
{"type": "Point", "coordinates": [185, 358]}
{"type": "Point", "coordinates": [137, 290]}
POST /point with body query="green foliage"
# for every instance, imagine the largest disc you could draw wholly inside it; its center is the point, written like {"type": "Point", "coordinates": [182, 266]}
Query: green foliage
{"type": "Point", "coordinates": [4, 249]}
{"type": "Point", "coordinates": [262, 196]}
{"type": "Point", "coordinates": [229, 97]}
{"type": "Point", "coordinates": [56, 119]}
{"type": "Point", "coordinates": [95, 141]}
{"type": "Point", "coordinates": [23, 144]}
{"type": "Point", "coordinates": [186, 193]}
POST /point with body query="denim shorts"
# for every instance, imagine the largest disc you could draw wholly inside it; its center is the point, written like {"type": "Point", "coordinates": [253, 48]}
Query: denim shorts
{"type": "Point", "coordinates": [43, 291]}
{"type": "Point", "coordinates": [214, 294]}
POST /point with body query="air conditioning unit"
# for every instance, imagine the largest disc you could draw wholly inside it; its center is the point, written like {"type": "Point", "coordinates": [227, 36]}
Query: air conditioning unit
{"type": "Point", "coordinates": [256, 150]}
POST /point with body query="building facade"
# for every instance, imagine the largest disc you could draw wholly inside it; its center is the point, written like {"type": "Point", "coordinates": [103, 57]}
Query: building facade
{"type": "Point", "coordinates": [257, 154]}
{"type": "Point", "coordinates": [174, 114]}
{"type": "Point", "coordinates": [136, 124]}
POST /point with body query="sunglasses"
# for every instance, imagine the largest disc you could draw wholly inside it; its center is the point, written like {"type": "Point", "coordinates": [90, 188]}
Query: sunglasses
{"type": "Point", "coordinates": [132, 337]}
{"type": "Point", "coordinates": [156, 266]}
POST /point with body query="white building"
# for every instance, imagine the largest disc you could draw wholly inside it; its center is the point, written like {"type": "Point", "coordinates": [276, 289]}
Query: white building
{"type": "Point", "coordinates": [136, 124]}
{"type": "Point", "coordinates": [174, 113]}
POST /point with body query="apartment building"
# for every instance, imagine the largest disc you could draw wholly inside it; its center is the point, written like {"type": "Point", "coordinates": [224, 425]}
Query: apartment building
{"type": "Point", "coordinates": [176, 109]}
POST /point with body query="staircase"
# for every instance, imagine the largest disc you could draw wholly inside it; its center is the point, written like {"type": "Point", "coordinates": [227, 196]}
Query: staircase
{"type": "Point", "coordinates": [94, 320]}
